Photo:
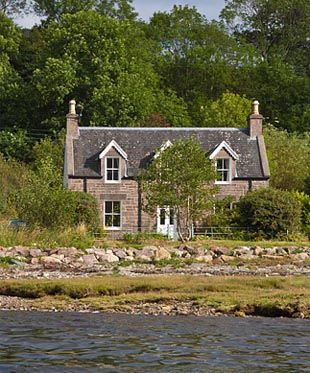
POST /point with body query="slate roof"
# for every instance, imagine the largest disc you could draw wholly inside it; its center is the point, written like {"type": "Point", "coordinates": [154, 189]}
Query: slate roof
{"type": "Point", "coordinates": [140, 144]}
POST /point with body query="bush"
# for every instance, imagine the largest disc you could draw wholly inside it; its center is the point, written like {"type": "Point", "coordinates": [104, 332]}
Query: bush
{"type": "Point", "coordinates": [55, 207]}
{"type": "Point", "coordinates": [270, 212]}
{"type": "Point", "coordinates": [304, 199]}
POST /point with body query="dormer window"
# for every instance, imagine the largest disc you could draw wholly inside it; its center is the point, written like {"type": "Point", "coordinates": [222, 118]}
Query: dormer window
{"type": "Point", "coordinates": [112, 169]}
{"type": "Point", "coordinates": [223, 170]}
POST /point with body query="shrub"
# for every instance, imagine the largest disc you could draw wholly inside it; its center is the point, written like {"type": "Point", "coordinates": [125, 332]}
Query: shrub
{"type": "Point", "coordinates": [270, 212]}
{"type": "Point", "coordinates": [304, 199]}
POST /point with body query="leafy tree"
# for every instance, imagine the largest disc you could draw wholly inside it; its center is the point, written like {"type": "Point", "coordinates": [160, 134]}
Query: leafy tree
{"type": "Point", "coordinates": [270, 212]}
{"type": "Point", "coordinates": [181, 177]}
{"type": "Point", "coordinates": [288, 156]}
{"type": "Point", "coordinates": [13, 7]}
{"type": "Point", "coordinates": [271, 25]}
{"type": "Point", "coordinates": [15, 144]}
{"type": "Point", "coordinates": [230, 110]}
{"type": "Point", "coordinates": [105, 65]}
{"type": "Point", "coordinates": [53, 10]}
{"type": "Point", "coordinates": [196, 58]}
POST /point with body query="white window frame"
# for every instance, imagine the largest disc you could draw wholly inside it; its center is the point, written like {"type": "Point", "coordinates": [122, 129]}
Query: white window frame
{"type": "Point", "coordinates": [112, 169]}
{"type": "Point", "coordinates": [224, 169]}
{"type": "Point", "coordinates": [120, 216]}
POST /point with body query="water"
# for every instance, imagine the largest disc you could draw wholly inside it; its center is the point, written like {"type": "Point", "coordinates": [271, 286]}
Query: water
{"type": "Point", "coordinates": [79, 342]}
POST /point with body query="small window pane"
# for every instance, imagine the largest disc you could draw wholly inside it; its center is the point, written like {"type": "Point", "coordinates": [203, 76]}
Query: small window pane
{"type": "Point", "coordinates": [116, 207]}
{"type": "Point", "coordinates": [108, 207]}
{"type": "Point", "coordinates": [108, 221]}
{"type": "Point", "coordinates": [225, 176]}
{"type": "Point", "coordinates": [109, 162]}
{"type": "Point", "coordinates": [115, 162]}
{"type": "Point", "coordinates": [162, 216]}
{"type": "Point", "coordinates": [115, 175]}
{"type": "Point", "coordinates": [171, 217]}
{"type": "Point", "coordinates": [116, 221]}
{"type": "Point", "coordinates": [226, 164]}
{"type": "Point", "coordinates": [109, 175]}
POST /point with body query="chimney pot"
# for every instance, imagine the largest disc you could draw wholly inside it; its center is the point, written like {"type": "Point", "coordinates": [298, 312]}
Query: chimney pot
{"type": "Point", "coordinates": [255, 107]}
{"type": "Point", "coordinates": [72, 104]}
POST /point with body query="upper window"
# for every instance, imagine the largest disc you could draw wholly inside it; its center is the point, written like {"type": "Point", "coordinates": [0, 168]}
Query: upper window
{"type": "Point", "coordinates": [223, 170]}
{"type": "Point", "coordinates": [112, 169]}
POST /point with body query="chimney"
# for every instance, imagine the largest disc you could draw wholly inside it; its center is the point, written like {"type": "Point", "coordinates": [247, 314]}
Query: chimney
{"type": "Point", "coordinates": [255, 121]}
{"type": "Point", "coordinates": [72, 133]}
{"type": "Point", "coordinates": [72, 121]}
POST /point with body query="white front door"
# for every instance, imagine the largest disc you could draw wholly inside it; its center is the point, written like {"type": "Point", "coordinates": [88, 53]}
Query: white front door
{"type": "Point", "coordinates": [166, 221]}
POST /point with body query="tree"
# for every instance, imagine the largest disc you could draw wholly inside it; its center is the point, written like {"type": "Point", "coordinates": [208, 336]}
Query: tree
{"type": "Point", "coordinates": [288, 156]}
{"type": "Point", "coordinates": [230, 110]}
{"type": "Point", "coordinates": [53, 10]}
{"type": "Point", "coordinates": [182, 177]}
{"type": "Point", "coordinates": [196, 58]}
{"type": "Point", "coordinates": [14, 7]}
{"type": "Point", "coordinates": [104, 63]}
{"type": "Point", "coordinates": [270, 212]}
{"type": "Point", "coordinates": [271, 25]}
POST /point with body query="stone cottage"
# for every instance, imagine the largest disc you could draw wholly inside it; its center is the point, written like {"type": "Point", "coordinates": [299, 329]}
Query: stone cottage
{"type": "Point", "coordinates": [103, 161]}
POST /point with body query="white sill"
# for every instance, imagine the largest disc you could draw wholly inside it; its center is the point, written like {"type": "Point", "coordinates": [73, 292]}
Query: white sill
{"type": "Point", "coordinates": [112, 181]}
{"type": "Point", "coordinates": [223, 182]}
{"type": "Point", "coordinates": [113, 228]}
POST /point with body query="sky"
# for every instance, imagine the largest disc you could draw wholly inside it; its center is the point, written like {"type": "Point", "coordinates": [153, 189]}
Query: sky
{"type": "Point", "coordinates": [210, 8]}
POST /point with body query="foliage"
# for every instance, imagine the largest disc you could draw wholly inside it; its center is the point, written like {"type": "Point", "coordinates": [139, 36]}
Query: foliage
{"type": "Point", "coordinates": [230, 110]}
{"type": "Point", "coordinates": [13, 176]}
{"type": "Point", "coordinates": [304, 199]}
{"type": "Point", "coordinates": [142, 237]}
{"type": "Point", "coordinates": [288, 156]}
{"type": "Point", "coordinates": [14, 7]}
{"type": "Point", "coordinates": [222, 215]}
{"type": "Point", "coordinates": [270, 212]}
{"type": "Point", "coordinates": [15, 144]}
{"type": "Point", "coordinates": [181, 177]}
{"type": "Point", "coordinates": [78, 237]}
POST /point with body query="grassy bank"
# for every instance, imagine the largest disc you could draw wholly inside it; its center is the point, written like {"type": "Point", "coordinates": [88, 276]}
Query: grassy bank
{"type": "Point", "coordinates": [276, 296]}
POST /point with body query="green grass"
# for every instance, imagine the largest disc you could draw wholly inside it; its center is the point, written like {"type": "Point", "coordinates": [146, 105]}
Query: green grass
{"type": "Point", "coordinates": [274, 296]}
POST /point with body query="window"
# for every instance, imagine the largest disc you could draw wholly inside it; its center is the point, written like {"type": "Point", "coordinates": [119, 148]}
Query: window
{"type": "Point", "coordinates": [112, 214]}
{"type": "Point", "coordinates": [223, 170]}
{"type": "Point", "coordinates": [112, 169]}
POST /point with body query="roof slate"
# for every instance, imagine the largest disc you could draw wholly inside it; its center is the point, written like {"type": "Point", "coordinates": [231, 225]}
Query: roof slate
{"type": "Point", "coordinates": [140, 144]}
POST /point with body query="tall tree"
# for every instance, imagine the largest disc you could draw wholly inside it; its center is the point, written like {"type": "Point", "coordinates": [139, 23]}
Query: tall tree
{"type": "Point", "coordinates": [105, 64]}
{"type": "Point", "coordinates": [196, 58]}
{"type": "Point", "coordinates": [181, 177]}
{"type": "Point", "coordinates": [275, 27]}
{"type": "Point", "coordinates": [53, 10]}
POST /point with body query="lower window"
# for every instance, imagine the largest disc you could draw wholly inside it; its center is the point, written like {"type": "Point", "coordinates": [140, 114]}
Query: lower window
{"type": "Point", "coordinates": [112, 214]}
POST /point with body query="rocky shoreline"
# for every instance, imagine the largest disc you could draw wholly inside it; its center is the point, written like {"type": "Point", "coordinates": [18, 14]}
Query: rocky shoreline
{"type": "Point", "coordinates": [30, 262]}
{"type": "Point", "coordinates": [62, 263]}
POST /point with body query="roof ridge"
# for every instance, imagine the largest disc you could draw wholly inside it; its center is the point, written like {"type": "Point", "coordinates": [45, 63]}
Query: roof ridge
{"type": "Point", "coordinates": [166, 128]}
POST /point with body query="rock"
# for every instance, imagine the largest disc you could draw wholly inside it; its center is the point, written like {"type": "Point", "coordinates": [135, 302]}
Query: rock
{"type": "Point", "coordinates": [107, 257]}
{"type": "Point", "coordinates": [242, 250]}
{"type": "Point", "coordinates": [178, 253]}
{"type": "Point", "coordinates": [204, 258]}
{"type": "Point", "coordinates": [60, 257]}
{"type": "Point", "coordinates": [35, 253]}
{"type": "Point", "coordinates": [257, 250]}
{"type": "Point", "coordinates": [162, 253]}
{"type": "Point", "coordinates": [20, 250]}
{"type": "Point", "coordinates": [300, 256]}
{"type": "Point", "coordinates": [219, 250]}
{"type": "Point", "coordinates": [89, 259]}
{"type": "Point", "coordinates": [146, 254]}
{"type": "Point", "coordinates": [120, 253]}
{"type": "Point", "coordinates": [247, 256]}
{"type": "Point", "coordinates": [16, 262]}
{"type": "Point", "coordinates": [270, 251]}
{"type": "Point", "coordinates": [280, 251]}
{"type": "Point", "coordinates": [50, 262]}
{"type": "Point", "coordinates": [68, 251]}
{"type": "Point", "coordinates": [35, 261]}
{"type": "Point", "coordinates": [191, 250]}
{"type": "Point", "coordinates": [227, 258]}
